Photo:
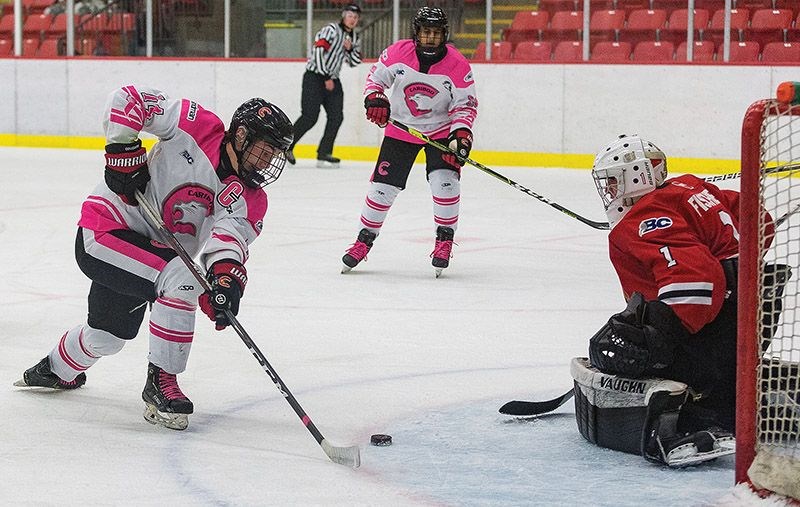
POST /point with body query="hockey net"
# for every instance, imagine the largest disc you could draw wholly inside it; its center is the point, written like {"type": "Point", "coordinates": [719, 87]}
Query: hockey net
{"type": "Point", "coordinates": [768, 403]}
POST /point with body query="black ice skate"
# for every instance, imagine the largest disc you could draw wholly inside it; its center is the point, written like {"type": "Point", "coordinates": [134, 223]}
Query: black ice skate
{"type": "Point", "coordinates": [42, 376]}
{"type": "Point", "coordinates": [165, 404]}
{"type": "Point", "coordinates": [327, 160]}
{"type": "Point", "coordinates": [358, 251]}
{"type": "Point", "coordinates": [443, 250]}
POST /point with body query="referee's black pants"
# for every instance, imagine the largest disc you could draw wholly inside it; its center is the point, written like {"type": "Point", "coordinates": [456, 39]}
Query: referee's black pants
{"type": "Point", "coordinates": [314, 96]}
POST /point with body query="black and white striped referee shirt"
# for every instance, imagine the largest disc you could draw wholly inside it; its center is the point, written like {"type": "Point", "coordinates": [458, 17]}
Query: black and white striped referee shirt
{"type": "Point", "coordinates": [328, 53]}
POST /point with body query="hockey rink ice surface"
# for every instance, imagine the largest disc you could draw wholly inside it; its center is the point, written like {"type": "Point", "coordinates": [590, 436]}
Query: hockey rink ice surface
{"type": "Point", "coordinates": [386, 348]}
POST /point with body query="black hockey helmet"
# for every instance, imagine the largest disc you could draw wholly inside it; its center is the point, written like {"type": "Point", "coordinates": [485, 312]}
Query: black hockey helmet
{"type": "Point", "coordinates": [352, 8]}
{"type": "Point", "coordinates": [430, 17]}
{"type": "Point", "coordinates": [261, 121]}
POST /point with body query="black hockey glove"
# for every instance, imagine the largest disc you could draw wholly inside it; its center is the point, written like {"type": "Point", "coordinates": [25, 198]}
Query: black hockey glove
{"type": "Point", "coordinates": [126, 170]}
{"type": "Point", "coordinates": [378, 108]}
{"type": "Point", "coordinates": [460, 141]}
{"type": "Point", "coordinates": [639, 340]}
{"type": "Point", "coordinates": [227, 279]}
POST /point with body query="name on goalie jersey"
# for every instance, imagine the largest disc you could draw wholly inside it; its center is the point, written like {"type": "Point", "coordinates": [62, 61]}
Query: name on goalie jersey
{"type": "Point", "coordinates": [651, 224]}
{"type": "Point", "coordinates": [622, 384]}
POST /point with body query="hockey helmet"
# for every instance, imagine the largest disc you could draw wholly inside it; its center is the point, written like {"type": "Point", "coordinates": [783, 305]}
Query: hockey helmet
{"type": "Point", "coordinates": [625, 170]}
{"type": "Point", "coordinates": [260, 133]}
{"type": "Point", "coordinates": [430, 17]}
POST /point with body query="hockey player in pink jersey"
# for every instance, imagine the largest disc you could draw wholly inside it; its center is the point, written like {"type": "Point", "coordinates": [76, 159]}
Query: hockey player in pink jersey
{"type": "Point", "coordinates": [208, 184]}
{"type": "Point", "coordinates": [432, 90]}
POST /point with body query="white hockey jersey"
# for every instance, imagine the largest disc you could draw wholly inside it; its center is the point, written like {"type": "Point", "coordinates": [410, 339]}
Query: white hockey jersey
{"type": "Point", "coordinates": [436, 102]}
{"type": "Point", "coordinates": [213, 218]}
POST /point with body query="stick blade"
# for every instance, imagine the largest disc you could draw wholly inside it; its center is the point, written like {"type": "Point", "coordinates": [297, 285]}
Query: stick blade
{"type": "Point", "coordinates": [348, 456]}
{"type": "Point", "coordinates": [530, 408]}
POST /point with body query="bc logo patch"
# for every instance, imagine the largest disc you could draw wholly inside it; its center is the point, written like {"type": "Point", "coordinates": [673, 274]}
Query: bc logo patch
{"type": "Point", "coordinates": [651, 224]}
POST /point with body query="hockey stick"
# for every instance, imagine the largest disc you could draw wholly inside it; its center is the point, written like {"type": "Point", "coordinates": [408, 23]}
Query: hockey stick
{"type": "Point", "coordinates": [419, 135]}
{"type": "Point", "coordinates": [349, 456]}
{"type": "Point", "coordinates": [531, 408]}
{"type": "Point", "coordinates": [769, 170]}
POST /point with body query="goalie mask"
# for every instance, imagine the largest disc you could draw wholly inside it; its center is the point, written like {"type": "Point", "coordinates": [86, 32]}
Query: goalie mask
{"type": "Point", "coordinates": [260, 134]}
{"type": "Point", "coordinates": [430, 32]}
{"type": "Point", "coordinates": [624, 171]}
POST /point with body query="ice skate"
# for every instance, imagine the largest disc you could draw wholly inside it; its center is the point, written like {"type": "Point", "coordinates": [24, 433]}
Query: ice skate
{"type": "Point", "coordinates": [42, 376]}
{"type": "Point", "coordinates": [327, 161]}
{"type": "Point", "coordinates": [358, 251]}
{"type": "Point", "coordinates": [443, 250]}
{"type": "Point", "coordinates": [165, 404]}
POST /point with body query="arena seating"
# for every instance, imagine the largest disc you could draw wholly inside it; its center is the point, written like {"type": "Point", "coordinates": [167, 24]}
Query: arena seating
{"type": "Point", "coordinates": [702, 51]}
{"type": "Point", "coordinates": [533, 51]}
{"type": "Point", "coordinates": [653, 52]}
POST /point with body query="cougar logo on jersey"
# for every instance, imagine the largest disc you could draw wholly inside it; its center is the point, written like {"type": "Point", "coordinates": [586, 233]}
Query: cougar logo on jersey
{"type": "Point", "coordinates": [185, 209]}
{"type": "Point", "coordinates": [230, 194]}
{"type": "Point", "coordinates": [419, 98]}
{"type": "Point", "coordinates": [651, 224]}
{"type": "Point", "coordinates": [185, 154]}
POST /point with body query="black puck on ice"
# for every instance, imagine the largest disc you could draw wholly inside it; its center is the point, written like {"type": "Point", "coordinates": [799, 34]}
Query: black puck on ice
{"type": "Point", "coordinates": [382, 440]}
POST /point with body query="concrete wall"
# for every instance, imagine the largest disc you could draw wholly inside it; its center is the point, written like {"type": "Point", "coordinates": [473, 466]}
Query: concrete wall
{"type": "Point", "coordinates": [532, 114]}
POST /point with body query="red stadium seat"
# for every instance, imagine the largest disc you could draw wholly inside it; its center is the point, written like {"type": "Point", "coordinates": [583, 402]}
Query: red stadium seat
{"type": "Point", "coordinates": [632, 5]}
{"type": "Point", "coordinates": [768, 25]}
{"type": "Point", "coordinates": [501, 52]}
{"type": "Point", "coordinates": [702, 51]}
{"type": "Point", "coordinates": [533, 51]}
{"type": "Point", "coordinates": [36, 6]}
{"type": "Point", "coordinates": [59, 25]}
{"type": "Point", "coordinates": [740, 20]}
{"type": "Point", "coordinates": [643, 25]}
{"type": "Point", "coordinates": [6, 47]}
{"type": "Point", "coordinates": [526, 25]}
{"type": "Point", "coordinates": [36, 25]}
{"type": "Point", "coordinates": [792, 5]}
{"type": "Point", "coordinates": [564, 25]}
{"type": "Point", "coordinates": [754, 4]}
{"type": "Point", "coordinates": [678, 24]}
{"type": "Point", "coordinates": [611, 52]}
{"type": "Point", "coordinates": [553, 6]}
{"type": "Point", "coordinates": [709, 5]}
{"type": "Point", "coordinates": [29, 46]}
{"type": "Point", "coordinates": [741, 52]}
{"type": "Point", "coordinates": [605, 25]}
{"type": "Point", "coordinates": [779, 52]}
{"type": "Point", "coordinates": [48, 48]}
{"type": "Point", "coordinates": [653, 52]}
{"type": "Point", "coordinates": [7, 24]}
{"type": "Point", "coordinates": [568, 51]}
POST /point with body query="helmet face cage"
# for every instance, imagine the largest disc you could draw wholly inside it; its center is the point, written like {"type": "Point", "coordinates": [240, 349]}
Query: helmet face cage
{"type": "Point", "coordinates": [430, 17]}
{"type": "Point", "coordinates": [624, 171]}
{"type": "Point", "coordinates": [269, 133]}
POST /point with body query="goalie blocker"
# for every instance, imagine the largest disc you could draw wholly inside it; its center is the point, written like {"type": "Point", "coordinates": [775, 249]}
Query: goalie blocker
{"type": "Point", "coordinates": [640, 416]}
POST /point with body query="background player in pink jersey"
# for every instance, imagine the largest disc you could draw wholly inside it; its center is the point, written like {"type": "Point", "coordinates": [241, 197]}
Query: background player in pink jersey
{"type": "Point", "coordinates": [674, 244]}
{"type": "Point", "coordinates": [432, 91]}
{"type": "Point", "coordinates": [207, 182]}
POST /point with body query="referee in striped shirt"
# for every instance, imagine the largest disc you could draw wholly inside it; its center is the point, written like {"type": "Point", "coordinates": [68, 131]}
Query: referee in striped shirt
{"type": "Point", "coordinates": [334, 44]}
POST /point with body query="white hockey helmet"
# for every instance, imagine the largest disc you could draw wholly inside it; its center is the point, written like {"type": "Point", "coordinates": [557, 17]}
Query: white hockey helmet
{"type": "Point", "coordinates": [625, 170]}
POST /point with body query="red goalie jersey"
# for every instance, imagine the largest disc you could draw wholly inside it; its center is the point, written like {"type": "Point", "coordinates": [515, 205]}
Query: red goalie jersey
{"type": "Point", "coordinates": [670, 244]}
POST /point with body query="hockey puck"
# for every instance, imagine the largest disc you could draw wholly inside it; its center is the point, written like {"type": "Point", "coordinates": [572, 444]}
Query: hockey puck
{"type": "Point", "coordinates": [381, 440]}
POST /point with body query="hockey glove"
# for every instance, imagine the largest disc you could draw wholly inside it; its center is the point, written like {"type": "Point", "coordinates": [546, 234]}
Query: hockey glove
{"type": "Point", "coordinates": [126, 170]}
{"type": "Point", "coordinates": [227, 279]}
{"type": "Point", "coordinates": [378, 109]}
{"type": "Point", "coordinates": [460, 141]}
{"type": "Point", "coordinates": [639, 340]}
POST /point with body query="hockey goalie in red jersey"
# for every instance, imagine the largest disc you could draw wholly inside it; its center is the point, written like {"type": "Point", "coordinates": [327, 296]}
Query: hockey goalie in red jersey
{"type": "Point", "coordinates": [674, 244]}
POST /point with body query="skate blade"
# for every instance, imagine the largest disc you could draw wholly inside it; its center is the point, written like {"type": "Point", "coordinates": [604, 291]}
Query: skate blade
{"type": "Point", "coordinates": [172, 421]}
{"type": "Point", "coordinates": [21, 383]}
{"type": "Point", "coordinates": [438, 271]}
{"type": "Point", "coordinates": [346, 268]}
{"type": "Point", "coordinates": [321, 164]}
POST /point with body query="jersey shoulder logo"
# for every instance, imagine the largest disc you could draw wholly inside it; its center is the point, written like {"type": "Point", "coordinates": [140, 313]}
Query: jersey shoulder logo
{"type": "Point", "coordinates": [652, 224]}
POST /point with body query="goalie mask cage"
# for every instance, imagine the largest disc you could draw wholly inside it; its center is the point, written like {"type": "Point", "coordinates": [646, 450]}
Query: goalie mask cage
{"type": "Point", "coordinates": [768, 399]}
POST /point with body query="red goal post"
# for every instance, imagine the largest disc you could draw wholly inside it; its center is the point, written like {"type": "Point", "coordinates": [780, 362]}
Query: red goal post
{"type": "Point", "coordinates": [768, 401]}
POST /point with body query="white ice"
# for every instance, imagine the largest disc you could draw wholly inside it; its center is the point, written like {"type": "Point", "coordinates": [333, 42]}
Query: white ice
{"type": "Point", "coordinates": [386, 348]}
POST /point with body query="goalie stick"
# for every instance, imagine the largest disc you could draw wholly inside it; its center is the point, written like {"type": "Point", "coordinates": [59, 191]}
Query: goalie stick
{"type": "Point", "coordinates": [531, 408]}
{"type": "Point", "coordinates": [419, 135]}
{"type": "Point", "coordinates": [349, 456]}
{"type": "Point", "coordinates": [768, 170]}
